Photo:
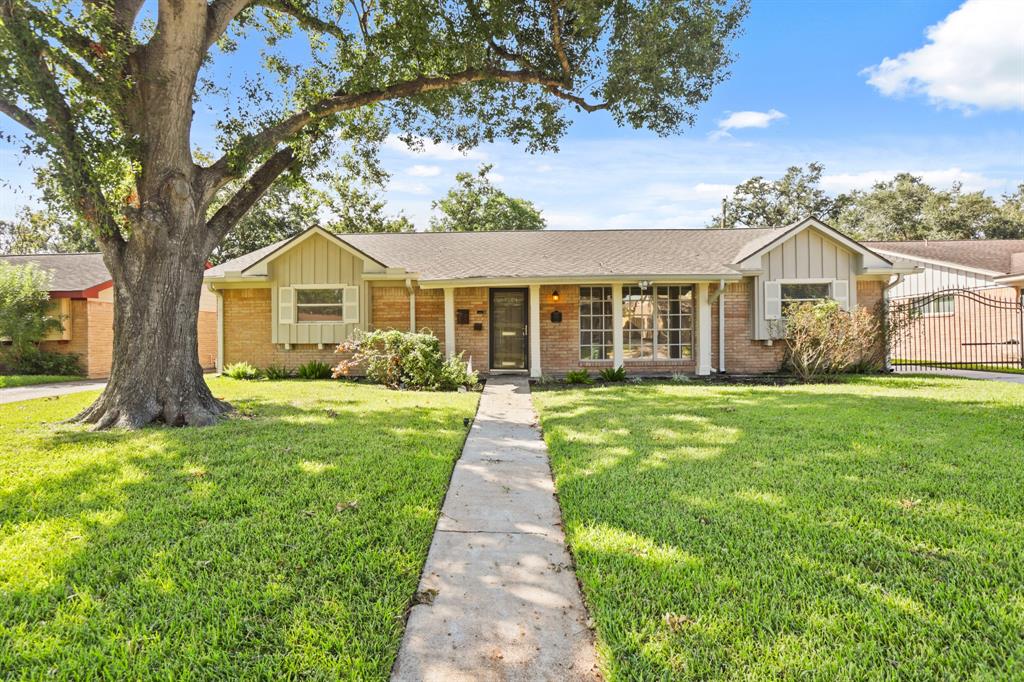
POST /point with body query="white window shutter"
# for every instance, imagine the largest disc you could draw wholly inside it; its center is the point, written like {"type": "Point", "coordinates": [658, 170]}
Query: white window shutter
{"type": "Point", "coordinates": [286, 305]}
{"type": "Point", "coordinates": [772, 300]}
{"type": "Point", "coordinates": [351, 314]}
{"type": "Point", "coordinates": [841, 293]}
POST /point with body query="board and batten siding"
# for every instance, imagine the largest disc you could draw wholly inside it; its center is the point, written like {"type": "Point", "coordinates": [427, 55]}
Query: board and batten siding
{"type": "Point", "coordinates": [808, 255]}
{"type": "Point", "coordinates": [316, 261]}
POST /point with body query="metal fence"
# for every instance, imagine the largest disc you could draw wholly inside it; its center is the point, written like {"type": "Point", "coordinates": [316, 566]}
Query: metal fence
{"type": "Point", "coordinates": [957, 328]}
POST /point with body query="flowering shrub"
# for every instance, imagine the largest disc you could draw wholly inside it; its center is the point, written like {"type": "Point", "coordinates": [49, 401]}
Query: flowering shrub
{"type": "Point", "coordinates": [405, 360]}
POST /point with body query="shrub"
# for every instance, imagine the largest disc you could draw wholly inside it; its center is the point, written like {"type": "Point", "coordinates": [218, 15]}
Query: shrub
{"type": "Point", "coordinates": [579, 376]}
{"type": "Point", "coordinates": [277, 372]}
{"type": "Point", "coordinates": [823, 340]}
{"type": "Point", "coordinates": [24, 318]}
{"type": "Point", "coordinates": [400, 359]}
{"type": "Point", "coordinates": [241, 370]}
{"type": "Point", "coordinates": [680, 378]}
{"type": "Point", "coordinates": [315, 369]}
{"type": "Point", "coordinates": [36, 361]}
{"type": "Point", "coordinates": [611, 374]}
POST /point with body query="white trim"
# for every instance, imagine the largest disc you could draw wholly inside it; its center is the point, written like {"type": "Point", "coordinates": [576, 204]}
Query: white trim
{"type": "Point", "coordinates": [345, 304]}
{"type": "Point", "coordinates": [220, 329]}
{"type": "Point", "coordinates": [721, 326]}
{"type": "Point", "coordinates": [412, 304]}
{"type": "Point", "coordinates": [449, 322]}
{"type": "Point", "coordinates": [703, 330]}
{"type": "Point", "coordinates": [533, 331]}
{"type": "Point", "coordinates": [604, 280]}
{"type": "Point", "coordinates": [617, 356]}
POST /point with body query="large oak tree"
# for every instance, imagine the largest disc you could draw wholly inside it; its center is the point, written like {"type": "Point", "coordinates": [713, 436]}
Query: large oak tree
{"type": "Point", "coordinates": [107, 92]}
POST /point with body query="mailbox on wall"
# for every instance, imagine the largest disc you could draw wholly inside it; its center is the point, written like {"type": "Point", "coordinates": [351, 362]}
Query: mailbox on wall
{"type": "Point", "coordinates": [462, 316]}
{"type": "Point", "coordinates": [556, 316]}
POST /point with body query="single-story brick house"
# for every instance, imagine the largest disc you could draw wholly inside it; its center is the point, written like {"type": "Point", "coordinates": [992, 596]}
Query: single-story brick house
{"type": "Point", "coordinates": [655, 301]}
{"type": "Point", "coordinates": [82, 296]}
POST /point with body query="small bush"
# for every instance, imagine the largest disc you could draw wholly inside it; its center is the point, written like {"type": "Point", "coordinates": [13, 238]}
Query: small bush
{"type": "Point", "coordinates": [277, 372]}
{"type": "Point", "coordinates": [242, 370]}
{"type": "Point", "coordinates": [823, 340]}
{"type": "Point", "coordinates": [680, 378]}
{"type": "Point", "coordinates": [400, 359]}
{"type": "Point", "coordinates": [34, 361]}
{"type": "Point", "coordinates": [315, 369]}
{"type": "Point", "coordinates": [579, 376]}
{"type": "Point", "coordinates": [613, 374]}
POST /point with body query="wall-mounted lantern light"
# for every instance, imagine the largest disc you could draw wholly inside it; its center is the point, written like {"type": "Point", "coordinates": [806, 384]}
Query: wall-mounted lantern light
{"type": "Point", "coordinates": [645, 285]}
{"type": "Point", "coordinates": [554, 295]}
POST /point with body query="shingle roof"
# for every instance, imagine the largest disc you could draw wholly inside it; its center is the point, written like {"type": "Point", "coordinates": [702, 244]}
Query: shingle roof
{"type": "Point", "coordinates": [549, 253]}
{"type": "Point", "coordinates": [242, 262]}
{"type": "Point", "coordinates": [995, 255]}
{"type": "Point", "coordinates": [69, 271]}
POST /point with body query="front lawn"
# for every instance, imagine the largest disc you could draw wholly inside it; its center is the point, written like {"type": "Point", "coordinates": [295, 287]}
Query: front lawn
{"type": "Point", "coordinates": [872, 529]}
{"type": "Point", "coordinates": [286, 542]}
{"type": "Point", "coordinates": [15, 380]}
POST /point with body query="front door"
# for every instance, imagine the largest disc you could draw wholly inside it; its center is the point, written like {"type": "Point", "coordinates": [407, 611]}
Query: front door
{"type": "Point", "coordinates": [508, 328]}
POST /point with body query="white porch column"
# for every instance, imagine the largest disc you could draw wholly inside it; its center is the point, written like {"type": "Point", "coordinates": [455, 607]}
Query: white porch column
{"type": "Point", "coordinates": [449, 322]}
{"type": "Point", "coordinates": [533, 331]}
{"type": "Point", "coordinates": [703, 330]}
{"type": "Point", "coordinates": [617, 324]}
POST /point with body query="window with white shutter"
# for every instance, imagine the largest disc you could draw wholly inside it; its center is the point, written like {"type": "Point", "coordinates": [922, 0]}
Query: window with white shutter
{"type": "Point", "coordinates": [772, 300]}
{"type": "Point", "coordinates": [841, 293]}
{"type": "Point", "coordinates": [286, 305]}
{"type": "Point", "coordinates": [351, 312]}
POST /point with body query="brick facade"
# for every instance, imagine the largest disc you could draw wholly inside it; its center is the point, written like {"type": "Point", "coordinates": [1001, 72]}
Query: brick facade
{"type": "Point", "coordinates": [92, 337]}
{"type": "Point", "coordinates": [247, 329]}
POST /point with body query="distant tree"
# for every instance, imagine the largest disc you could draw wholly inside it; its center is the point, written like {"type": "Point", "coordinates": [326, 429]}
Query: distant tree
{"type": "Point", "coordinates": [759, 202]}
{"type": "Point", "coordinates": [476, 205]}
{"type": "Point", "coordinates": [907, 208]}
{"type": "Point", "coordinates": [355, 209]}
{"type": "Point", "coordinates": [44, 230]}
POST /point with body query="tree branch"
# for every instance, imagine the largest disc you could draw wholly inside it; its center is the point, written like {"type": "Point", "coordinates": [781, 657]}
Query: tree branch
{"type": "Point", "coordinates": [306, 20]}
{"type": "Point", "coordinates": [578, 101]}
{"type": "Point", "coordinates": [254, 145]}
{"type": "Point", "coordinates": [219, 16]}
{"type": "Point", "coordinates": [51, 26]}
{"type": "Point", "coordinates": [12, 110]}
{"type": "Point", "coordinates": [556, 42]}
{"type": "Point", "coordinates": [255, 187]}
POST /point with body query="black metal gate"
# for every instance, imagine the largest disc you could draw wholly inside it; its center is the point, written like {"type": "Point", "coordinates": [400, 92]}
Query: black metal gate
{"type": "Point", "coordinates": [957, 328]}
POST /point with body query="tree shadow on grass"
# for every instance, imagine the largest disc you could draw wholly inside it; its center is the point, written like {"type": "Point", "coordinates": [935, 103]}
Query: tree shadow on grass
{"type": "Point", "coordinates": [765, 532]}
{"type": "Point", "coordinates": [286, 541]}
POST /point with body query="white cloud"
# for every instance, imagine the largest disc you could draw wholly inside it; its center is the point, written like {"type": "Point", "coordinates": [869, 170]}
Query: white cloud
{"type": "Point", "coordinates": [685, 192]}
{"type": "Point", "coordinates": [423, 171]}
{"type": "Point", "coordinates": [974, 58]}
{"type": "Point", "coordinates": [424, 148]}
{"type": "Point", "coordinates": [942, 178]}
{"type": "Point", "coordinates": [406, 187]}
{"type": "Point", "coordinates": [749, 119]}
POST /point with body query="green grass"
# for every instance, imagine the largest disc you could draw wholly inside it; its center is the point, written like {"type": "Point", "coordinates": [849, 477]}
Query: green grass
{"type": "Point", "coordinates": [976, 368]}
{"type": "Point", "coordinates": [14, 380]}
{"type": "Point", "coordinates": [872, 529]}
{"type": "Point", "coordinates": [285, 542]}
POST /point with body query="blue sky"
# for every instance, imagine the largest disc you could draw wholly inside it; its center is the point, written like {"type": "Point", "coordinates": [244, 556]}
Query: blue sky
{"type": "Point", "coordinates": [867, 88]}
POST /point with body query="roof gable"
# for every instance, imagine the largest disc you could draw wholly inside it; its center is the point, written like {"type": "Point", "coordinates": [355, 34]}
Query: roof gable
{"type": "Point", "coordinates": [987, 256]}
{"type": "Point", "coordinates": [259, 266]}
{"type": "Point", "coordinates": [750, 257]}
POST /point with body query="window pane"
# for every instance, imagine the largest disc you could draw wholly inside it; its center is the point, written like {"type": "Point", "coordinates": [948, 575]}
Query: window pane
{"type": "Point", "coordinates": [593, 320]}
{"type": "Point", "coordinates": [320, 313]}
{"type": "Point", "coordinates": [320, 296]}
{"type": "Point", "coordinates": [805, 292]}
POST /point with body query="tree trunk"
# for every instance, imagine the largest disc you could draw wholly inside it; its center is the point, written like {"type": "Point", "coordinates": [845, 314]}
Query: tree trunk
{"type": "Point", "coordinates": [156, 375]}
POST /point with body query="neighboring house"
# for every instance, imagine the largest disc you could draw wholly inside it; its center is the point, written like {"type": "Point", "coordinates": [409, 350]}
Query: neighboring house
{"type": "Point", "coordinates": [546, 302]}
{"type": "Point", "coordinates": [82, 295]}
{"type": "Point", "coordinates": [966, 302]}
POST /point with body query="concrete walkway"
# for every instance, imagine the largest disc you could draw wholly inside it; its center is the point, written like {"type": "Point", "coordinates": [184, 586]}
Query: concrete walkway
{"type": "Point", "coordinates": [499, 598]}
{"type": "Point", "coordinates": [13, 395]}
{"type": "Point", "coordinates": [973, 374]}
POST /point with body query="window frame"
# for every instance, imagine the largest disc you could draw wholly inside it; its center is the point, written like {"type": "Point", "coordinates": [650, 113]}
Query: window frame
{"type": "Point", "coordinates": [324, 287]}
{"type": "Point", "coordinates": [649, 350]}
{"type": "Point", "coordinates": [940, 313]}
{"type": "Point", "coordinates": [608, 349]}
{"type": "Point", "coordinates": [784, 282]}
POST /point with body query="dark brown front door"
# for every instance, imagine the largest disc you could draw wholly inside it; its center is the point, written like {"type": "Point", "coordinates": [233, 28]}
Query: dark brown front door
{"type": "Point", "coordinates": [508, 328]}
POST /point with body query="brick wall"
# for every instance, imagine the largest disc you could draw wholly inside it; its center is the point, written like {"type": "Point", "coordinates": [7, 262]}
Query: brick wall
{"type": "Point", "coordinates": [743, 355]}
{"type": "Point", "coordinates": [475, 344]}
{"type": "Point", "coordinates": [560, 342]}
{"type": "Point", "coordinates": [78, 344]}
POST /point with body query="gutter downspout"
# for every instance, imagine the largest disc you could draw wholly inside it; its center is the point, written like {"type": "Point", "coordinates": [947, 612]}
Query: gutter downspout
{"type": "Point", "coordinates": [885, 302]}
{"type": "Point", "coordinates": [220, 327]}
{"type": "Point", "coordinates": [721, 326]}
{"type": "Point", "coordinates": [412, 304]}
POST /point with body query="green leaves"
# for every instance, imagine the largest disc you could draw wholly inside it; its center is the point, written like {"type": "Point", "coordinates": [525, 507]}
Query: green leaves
{"type": "Point", "coordinates": [476, 205]}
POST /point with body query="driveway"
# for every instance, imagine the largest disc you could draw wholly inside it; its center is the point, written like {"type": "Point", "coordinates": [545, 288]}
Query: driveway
{"type": "Point", "coordinates": [18, 393]}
